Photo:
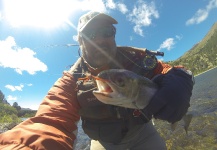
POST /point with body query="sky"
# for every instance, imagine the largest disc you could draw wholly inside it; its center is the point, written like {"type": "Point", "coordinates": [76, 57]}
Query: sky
{"type": "Point", "coordinates": [38, 38]}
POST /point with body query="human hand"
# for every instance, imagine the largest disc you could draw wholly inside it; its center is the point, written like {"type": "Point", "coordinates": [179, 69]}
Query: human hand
{"type": "Point", "coordinates": [172, 100]}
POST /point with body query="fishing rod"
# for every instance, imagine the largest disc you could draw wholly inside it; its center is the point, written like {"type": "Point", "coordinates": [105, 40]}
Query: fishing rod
{"type": "Point", "coordinates": [56, 45]}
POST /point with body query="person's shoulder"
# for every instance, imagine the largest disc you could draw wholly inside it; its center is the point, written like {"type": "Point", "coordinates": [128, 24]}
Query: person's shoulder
{"type": "Point", "coordinates": [76, 68]}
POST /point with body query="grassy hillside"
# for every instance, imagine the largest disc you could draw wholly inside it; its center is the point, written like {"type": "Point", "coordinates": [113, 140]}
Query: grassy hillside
{"type": "Point", "coordinates": [202, 131]}
{"type": "Point", "coordinates": [203, 55]}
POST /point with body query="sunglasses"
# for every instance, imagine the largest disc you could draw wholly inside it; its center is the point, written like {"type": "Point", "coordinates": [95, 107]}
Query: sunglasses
{"type": "Point", "coordinates": [104, 32]}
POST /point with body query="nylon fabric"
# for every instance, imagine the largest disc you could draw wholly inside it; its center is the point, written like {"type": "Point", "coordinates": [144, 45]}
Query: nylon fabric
{"type": "Point", "coordinates": [54, 123]}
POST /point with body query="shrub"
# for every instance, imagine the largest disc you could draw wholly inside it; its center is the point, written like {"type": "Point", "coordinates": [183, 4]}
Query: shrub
{"type": "Point", "coordinates": [8, 114]}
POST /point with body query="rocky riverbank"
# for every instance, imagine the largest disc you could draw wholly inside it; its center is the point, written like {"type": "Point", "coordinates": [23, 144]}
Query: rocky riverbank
{"type": "Point", "coordinates": [6, 126]}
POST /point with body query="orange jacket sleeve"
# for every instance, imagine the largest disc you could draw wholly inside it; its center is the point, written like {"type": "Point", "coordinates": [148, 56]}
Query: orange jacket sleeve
{"type": "Point", "coordinates": [162, 68]}
{"type": "Point", "coordinates": [53, 126]}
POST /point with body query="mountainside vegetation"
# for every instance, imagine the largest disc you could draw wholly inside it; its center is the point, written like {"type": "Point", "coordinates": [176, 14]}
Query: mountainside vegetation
{"type": "Point", "coordinates": [9, 114]}
{"type": "Point", "coordinates": [203, 55]}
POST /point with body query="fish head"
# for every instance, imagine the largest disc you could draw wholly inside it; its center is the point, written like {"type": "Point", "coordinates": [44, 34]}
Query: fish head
{"type": "Point", "coordinates": [120, 87]}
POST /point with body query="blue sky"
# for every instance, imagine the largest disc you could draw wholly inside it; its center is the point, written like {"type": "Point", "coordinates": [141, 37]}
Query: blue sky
{"type": "Point", "coordinates": [36, 36]}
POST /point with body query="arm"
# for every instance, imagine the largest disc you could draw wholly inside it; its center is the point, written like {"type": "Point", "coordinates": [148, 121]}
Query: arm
{"type": "Point", "coordinates": [53, 126]}
{"type": "Point", "coordinates": [172, 100]}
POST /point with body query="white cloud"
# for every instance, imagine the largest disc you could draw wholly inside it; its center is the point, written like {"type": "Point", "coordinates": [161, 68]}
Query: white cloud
{"type": "Point", "coordinates": [179, 37]}
{"type": "Point", "coordinates": [19, 59]}
{"type": "Point", "coordinates": [38, 13]}
{"type": "Point", "coordinates": [30, 106]}
{"type": "Point", "coordinates": [11, 98]}
{"type": "Point", "coordinates": [30, 84]}
{"type": "Point", "coordinates": [138, 29]}
{"type": "Point", "coordinates": [167, 44]}
{"type": "Point", "coordinates": [110, 4]}
{"type": "Point", "coordinates": [101, 5]}
{"type": "Point", "coordinates": [142, 15]}
{"type": "Point", "coordinates": [199, 17]}
{"type": "Point", "coordinates": [202, 14]}
{"type": "Point", "coordinates": [26, 13]}
{"type": "Point", "coordinates": [0, 16]}
{"type": "Point", "coordinates": [122, 8]}
{"type": "Point", "coordinates": [75, 38]}
{"type": "Point", "coordinates": [15, 88]}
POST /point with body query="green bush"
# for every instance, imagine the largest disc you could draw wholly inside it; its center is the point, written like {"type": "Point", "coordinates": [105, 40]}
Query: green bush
{"type": "Point", "coordinates": [8, 114]}
{"type": "Point", "coordinates": [9, 119]}
{"type": "Point", "coordinates": [26, 113]}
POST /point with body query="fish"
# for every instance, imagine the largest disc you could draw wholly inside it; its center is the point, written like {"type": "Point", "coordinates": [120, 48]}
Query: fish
{"type": "Point", "coordinates": [124, 88]}
{"type": "Point", "coordinates": [187, 118]}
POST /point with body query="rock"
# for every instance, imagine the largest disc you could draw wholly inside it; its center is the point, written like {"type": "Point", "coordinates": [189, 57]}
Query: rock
{"type": "Point", "coordinates": [7, 126]}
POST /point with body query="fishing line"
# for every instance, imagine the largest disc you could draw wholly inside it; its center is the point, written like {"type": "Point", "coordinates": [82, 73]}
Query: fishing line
{"type": "Point", "coordinates": [134, 103]}
{"type": "Point", "coordinates": [131, 60]}
{"type": "Point", "coordinates": [57, 45]}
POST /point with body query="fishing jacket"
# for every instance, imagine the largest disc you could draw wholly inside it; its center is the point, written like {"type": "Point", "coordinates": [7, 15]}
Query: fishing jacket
{"type": "Point", "coordinates": [55, 124]}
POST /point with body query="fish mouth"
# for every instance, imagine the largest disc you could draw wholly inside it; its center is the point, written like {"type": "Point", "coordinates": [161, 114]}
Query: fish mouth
{"type": "Point", "coordinates": [103, 88]}
{"type": "Point", "coordinates": [107, 94]}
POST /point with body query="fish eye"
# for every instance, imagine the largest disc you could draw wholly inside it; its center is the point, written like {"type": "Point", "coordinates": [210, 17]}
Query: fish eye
{"type": "Point", "coordinates": [119, 80]}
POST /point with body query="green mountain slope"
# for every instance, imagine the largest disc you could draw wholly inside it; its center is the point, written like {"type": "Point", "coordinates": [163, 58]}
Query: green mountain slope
{"type": "Point", "coordinates": [203, 55]}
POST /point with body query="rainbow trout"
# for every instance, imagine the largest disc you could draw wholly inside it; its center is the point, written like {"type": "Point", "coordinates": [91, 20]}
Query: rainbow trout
{"type": "Point", "coordinates": [125, 88]}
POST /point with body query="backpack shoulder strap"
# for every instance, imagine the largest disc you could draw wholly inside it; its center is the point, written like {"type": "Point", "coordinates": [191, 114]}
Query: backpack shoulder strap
{"type": "Point", "coordinates": [76, 69]}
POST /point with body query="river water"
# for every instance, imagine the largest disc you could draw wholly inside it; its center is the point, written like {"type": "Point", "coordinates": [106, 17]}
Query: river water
{"type": "Point", "coordinates": [83, 141]}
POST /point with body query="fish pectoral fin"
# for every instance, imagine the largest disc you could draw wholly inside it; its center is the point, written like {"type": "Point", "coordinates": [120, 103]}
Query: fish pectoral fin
{"type": "Point", "coordinates": [102, 95]}
{"type": "Point", "coordinates": [187, 120]}
{"type": "Point", "coordinates": [174, 125]}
